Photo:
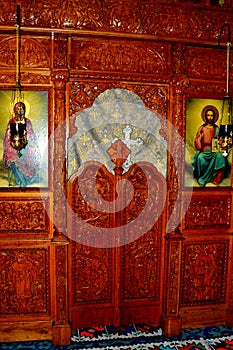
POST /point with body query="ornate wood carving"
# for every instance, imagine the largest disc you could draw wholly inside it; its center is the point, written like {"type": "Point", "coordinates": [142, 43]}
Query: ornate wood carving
{"type": "Point", "coordinates": [18, 216]}
{"type": "Point", "coordinates": [208, 213]}
{"type": "Point", "coordinates": [93, 270]}
{"type": "Point", "coordinates": [174, 20]}
{"type": "Point", "coordinates": [60, 52]}
{"type": "Point", "coordinates": [91, 275]}
{"type": "Point", "coordinates": [164, 51]}
{"type": "Point", "coordinates": [140, 281]}
{"type": "Point", "coordinates": [120, 56]}
{"type": "Point", "coordinates": [34, 53]}
{"type": "Point", "coordinates": [61, 284]}
{"type": "Point", "coordinates": [82, 95]}
{"type": "Point", "coordinates": [204, 272]}
{"type": "Point", "coordinates": [171, 320]}
{"type": "Point", "coordinates": [173, 277]}
{"type": "Point", "coordinates": [24, 281]}
{"type": "Point", "coordinates": [59, 78]}
{"type": "Point", "coordinates": [200, 66]}
{"type": "Point", "coordinates": [177, 151]}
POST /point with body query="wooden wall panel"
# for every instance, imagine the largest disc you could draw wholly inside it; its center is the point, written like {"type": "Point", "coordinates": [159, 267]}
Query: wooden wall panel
{"type": "Point", "coordinates": [204, 272]}
{"type": "Point", "coordinates": [25, 217]}
{"type": "Point", "coordinates": [25, 286]}
{"type": "Point", "coordinates": [205, 213]}
{"type": "Point", "coordinates": [165, 52]}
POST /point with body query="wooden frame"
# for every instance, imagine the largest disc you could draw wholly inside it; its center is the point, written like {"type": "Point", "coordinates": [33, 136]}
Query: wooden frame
{"type": "Point", "coordinates": [36, 103]}
{"type": "Point", "coordinates": [194, 107]}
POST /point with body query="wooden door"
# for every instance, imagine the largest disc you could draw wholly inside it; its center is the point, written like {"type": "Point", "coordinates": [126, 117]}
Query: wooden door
{"type": "Point", "coordinates": [116, 226]}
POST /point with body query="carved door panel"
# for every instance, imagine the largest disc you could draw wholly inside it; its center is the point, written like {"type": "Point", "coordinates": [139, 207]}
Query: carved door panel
{"type": "Point", "coordinates": [116, 224]}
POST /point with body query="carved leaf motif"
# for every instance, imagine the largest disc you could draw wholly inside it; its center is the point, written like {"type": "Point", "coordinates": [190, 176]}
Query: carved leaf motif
{"type": "Point", "coordinates": [22, 215]}
{"type": "Point", "coordinates": [206, 213]}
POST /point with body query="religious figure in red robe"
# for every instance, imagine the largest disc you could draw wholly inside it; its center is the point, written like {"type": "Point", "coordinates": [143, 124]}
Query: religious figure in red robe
{"type": "Point", "coordinates": [21, 152]}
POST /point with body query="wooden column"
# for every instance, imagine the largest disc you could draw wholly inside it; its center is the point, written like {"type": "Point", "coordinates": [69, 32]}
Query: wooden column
{"type": "Point", "coordinates": [171, 320]}
{"type": "Point", "coordinates": [60, 75]}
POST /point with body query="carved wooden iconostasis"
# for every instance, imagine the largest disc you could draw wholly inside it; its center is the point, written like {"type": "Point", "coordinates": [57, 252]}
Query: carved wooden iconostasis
{"type": "Point", "coordinates": [123, 252]}
{"type": "Point", "coordinates": [115, 93]}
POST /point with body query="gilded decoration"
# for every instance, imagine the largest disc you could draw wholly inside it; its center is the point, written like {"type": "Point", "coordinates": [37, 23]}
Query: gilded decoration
{"type": "Point", "coordinates": [96, 130]}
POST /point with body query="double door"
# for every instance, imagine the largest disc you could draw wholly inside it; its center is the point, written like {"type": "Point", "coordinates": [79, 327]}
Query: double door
{"type": "Point", "coordinates": [116, 252]}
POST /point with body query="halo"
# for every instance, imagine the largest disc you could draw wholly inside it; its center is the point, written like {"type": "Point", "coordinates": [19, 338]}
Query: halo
{"type": "Point", "coordinates": [212, 108]}
{"type": "Point", "coordinates": [27, 107]}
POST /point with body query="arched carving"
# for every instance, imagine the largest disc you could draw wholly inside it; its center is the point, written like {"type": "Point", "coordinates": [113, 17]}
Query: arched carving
{"type": "Point", "coordinates": [121, 56]}
{"type": "Point", "coordinates": [82, 95]}
{"type": "Point", "coordinates": [34, 53]}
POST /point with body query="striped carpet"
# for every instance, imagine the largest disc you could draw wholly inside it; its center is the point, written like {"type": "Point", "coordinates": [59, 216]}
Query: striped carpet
{"type": "Point", "coordinates": [136, 337]}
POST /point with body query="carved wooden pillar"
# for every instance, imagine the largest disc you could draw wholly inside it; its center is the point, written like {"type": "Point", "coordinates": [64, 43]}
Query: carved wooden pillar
{"type": "Point", "coordinates": [229, 318]}
{"type": "Point", "coordinates": [171, 320]}
{"type": "Point", "coordinates": [60, 75]}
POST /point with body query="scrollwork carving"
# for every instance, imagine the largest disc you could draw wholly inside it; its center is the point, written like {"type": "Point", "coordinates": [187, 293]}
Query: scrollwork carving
{"type": "Point", "coordinates": [208, 213]}
{"type": "Point", "coordinates": [18, 216]}
{"type": "Point", "coordinates": [82, 95]}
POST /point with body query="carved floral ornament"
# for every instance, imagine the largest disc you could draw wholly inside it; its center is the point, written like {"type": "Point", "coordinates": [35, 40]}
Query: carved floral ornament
{"type": "Point", "coordinates": [144, 17]}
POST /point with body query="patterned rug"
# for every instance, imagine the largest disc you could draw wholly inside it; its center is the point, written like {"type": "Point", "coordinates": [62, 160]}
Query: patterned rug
{"type": "Point", "coordinates": [136, 337]}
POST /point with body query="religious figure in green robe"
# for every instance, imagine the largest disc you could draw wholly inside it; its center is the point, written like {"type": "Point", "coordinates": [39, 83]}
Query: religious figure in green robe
{"type": "Point", "coordinates": [209, 165]}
